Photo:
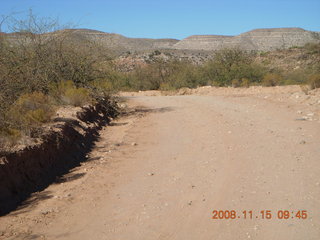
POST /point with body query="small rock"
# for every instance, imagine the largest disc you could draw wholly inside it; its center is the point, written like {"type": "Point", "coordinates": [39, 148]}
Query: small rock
{"type": "Point", "coordinates": [3, 161]}
{"type": "Point", "coordinates": [304, 118]}
{"type": "Point", "coordinates": [45, 212]}
{"type": "Point", "coordinates": [302, 142]}
{"type": "Point", "coordinates": [150, 174]}
{"type": "Point", "coordinates": [123, 105]}
{"type": "Point", "coordinates": [189, 203]}
{"type": "Point", "coordinates": [134, 144]}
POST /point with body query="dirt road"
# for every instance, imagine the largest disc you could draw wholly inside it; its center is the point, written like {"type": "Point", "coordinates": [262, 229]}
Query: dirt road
{"type": "Point", "coordinates": [161, 172]}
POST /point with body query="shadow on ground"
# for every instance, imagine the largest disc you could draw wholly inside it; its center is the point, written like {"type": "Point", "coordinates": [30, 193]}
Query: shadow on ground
{"type": "Point", "coordinates": [26, 174]}
{"type": "Point", "coordinates": [141, 109]}
{"type": "Point", "coordinates": [35, 168]}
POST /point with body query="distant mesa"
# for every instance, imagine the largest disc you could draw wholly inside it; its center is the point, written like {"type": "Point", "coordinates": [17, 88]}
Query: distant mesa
{"type": "Point", "coordinates": [258, 40]}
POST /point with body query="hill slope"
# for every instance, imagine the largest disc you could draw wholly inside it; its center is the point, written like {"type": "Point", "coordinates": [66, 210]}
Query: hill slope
{"type": "Point", "coordinates": [258, 40]}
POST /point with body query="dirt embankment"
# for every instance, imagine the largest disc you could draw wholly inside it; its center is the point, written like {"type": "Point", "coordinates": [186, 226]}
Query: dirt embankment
{"type": "Point", "coordinates": [66, 144]}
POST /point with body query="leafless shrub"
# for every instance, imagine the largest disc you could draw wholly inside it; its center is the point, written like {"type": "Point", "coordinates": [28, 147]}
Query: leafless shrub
{"type": "Point", "coordinates": [32, 60]}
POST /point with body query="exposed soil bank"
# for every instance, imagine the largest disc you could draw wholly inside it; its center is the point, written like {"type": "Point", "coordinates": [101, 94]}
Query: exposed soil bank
{"type": "Point", "coordinates": [64, 147]}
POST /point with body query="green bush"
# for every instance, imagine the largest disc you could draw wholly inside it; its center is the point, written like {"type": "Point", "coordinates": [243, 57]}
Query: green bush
{"type": "Point", "coordinates": [58, 90]}
{"type": "Point", "coordinates": [245, 82]}
{"type": "Point", "coordinates": [235, 83]}
{"type": "Point", "coordinates": [77, 97]}
{"type": "Point", "coordinates": [65, 92]}
{"type": "Point", "coordinates": [29, 111]}
{"type": "Point", "coordinates": [229, 64]}
{"type": "Point", "coordinates": [298, 76]}
{"type": "Point", "coordinates": [166, 76]}
{"type": "Point", "coordinates": [166, 87]}
{"type": "Point", "coordinates": [103, 87]}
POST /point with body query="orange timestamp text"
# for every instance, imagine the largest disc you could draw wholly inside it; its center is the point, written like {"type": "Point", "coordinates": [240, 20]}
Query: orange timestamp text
{"type": "Point", "coordinates": [260, 214]}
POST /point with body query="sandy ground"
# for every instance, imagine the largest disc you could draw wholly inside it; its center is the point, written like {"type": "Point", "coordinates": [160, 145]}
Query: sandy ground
{"type": "Point", "coordinates": [161, 171]}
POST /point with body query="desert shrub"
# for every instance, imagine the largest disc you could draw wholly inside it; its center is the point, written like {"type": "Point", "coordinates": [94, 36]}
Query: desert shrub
{"type": "Point", "coordinates": [40, 68]}
{"type": "Point", "coordinates": [229, 64]}
{"type": "Point", "coordinates": [149, 77]}
{"type": "Point", "coordinates": [184, 74]}
{"type": "Point", "coordinates": [77, 96]}
{"type": "Point", "coordinates": [314, 81]}
{"type": "Point", "coordinates": [66, 92]}
{"type": "Point", "coordinates": [263, 54]}
{"type": "Point", "coordinates": [9, 137]}
{"type": "Point", "coordinates": [111, 79]}
{"type": "Point", "coordinates": [271, 79]}
{"type": "Point", "coordinates": [298, 76]}
{"type": "Point", "coordinates": [39, 58]}
{"type": "Point", "coordinates": [103, 87]}
{"type": "Point", "coordinates": [30, 111]}
{"type": "Point", "coordinates": [164, 75]}
{"type": "Point", "coordinates": [58, 90]}
{"type": "Point", "coordinates": [313, 48]}
{"type": "Point", "coordinates": [245, 82]}
{"type": "Point", "coordinates": [235, 83]}
{"type": "Point", "coordinates": [166, 87]}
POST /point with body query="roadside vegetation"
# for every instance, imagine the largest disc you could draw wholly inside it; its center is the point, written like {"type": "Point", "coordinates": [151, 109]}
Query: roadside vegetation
{"type": "Point", "coordinates": [228, 67]}
{"type": "Point", "coordinates": [42, 69]}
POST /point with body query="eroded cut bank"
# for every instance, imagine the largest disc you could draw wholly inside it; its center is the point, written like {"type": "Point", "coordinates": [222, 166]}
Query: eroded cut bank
{"type": "Point", "coordinates": [33, 168]}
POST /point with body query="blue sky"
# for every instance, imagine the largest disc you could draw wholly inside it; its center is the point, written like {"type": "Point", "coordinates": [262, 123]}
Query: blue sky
{"type": "Point", "coordinates": [174, 18]}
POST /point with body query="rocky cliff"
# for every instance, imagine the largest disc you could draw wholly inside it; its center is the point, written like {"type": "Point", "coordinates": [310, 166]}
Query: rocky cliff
{"type": "Point", "coordinates": [259, 39]}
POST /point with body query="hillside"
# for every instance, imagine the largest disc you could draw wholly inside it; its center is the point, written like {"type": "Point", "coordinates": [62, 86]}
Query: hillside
{"type": "Point", "coordinates": [118, 42]}
{"type": "Point", "coordinates": [256, 40]}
